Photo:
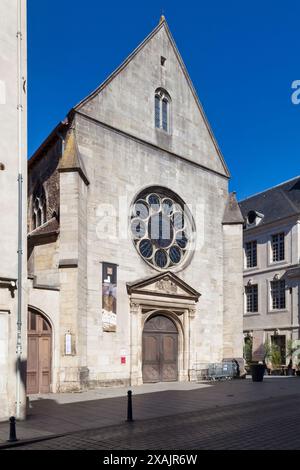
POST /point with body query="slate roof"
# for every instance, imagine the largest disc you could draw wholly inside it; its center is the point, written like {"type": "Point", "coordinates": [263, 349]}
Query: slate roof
{"type": "Point", "coordinates": [48, 228]}
{"type": "Point", "coordinates": [276, 203]}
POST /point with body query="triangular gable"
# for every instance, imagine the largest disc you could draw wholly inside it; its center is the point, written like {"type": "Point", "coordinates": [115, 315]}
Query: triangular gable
{"type": "Point", "coordinates": [163, 284]}
{"type": "Point", "coordinates": [119, 69]}
{"type": "Point", "coordinates": [232, 214]}
{"type": "Point", "coordinates": [83, 105]}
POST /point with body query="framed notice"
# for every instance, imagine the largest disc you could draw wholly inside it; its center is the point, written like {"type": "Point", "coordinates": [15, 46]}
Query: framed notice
{"type": "Point", "coordinates": [109, 297]}
{"type": "Point", "coordinates": [68, 344]}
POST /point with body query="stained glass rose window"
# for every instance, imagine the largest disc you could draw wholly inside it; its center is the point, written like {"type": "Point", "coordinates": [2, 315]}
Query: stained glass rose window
{"type": "Point", "coordinates": [162, 228]}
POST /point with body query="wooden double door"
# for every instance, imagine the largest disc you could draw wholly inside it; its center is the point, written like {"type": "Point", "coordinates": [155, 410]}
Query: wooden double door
{"type": "Point", "coordinates": [39, 354]}
{"type": "Point", "coordinates": [160, 350]}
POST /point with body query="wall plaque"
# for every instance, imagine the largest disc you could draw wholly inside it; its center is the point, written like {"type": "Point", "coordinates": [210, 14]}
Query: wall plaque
{"type": "Point", "coordinates": [68, 344]}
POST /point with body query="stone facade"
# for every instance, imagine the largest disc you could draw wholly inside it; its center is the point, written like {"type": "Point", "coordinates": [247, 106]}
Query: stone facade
{"type": "Point", "coordinates": [275, 211]}
{"type": "Point", "coordinates": [93, 166]}
{"type": "Point", "coordinates": [13, 162]}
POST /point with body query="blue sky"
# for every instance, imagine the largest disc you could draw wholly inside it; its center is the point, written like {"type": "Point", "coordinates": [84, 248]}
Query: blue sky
{"type": "Point", "coordinates": [242, 57]}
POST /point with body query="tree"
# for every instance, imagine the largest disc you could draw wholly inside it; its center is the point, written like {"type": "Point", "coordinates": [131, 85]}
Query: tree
{"type": "Point", "coordinates": [248, 349]}
{"type": "Point", "coordinates": [293, 351]}
{"type": "Point", "coordinates": [272, 354]}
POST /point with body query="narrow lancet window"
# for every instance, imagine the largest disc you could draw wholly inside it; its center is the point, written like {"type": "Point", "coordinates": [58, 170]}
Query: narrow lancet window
{"type": "Point", "coordinates": [162, 110]}
{"type": "Point", "coordinates": [39, 207]}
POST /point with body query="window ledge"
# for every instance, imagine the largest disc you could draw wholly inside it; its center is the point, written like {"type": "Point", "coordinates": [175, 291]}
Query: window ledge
{"type": "Point", "coordinates": [163, 132]}
{"type": "Point", "coordinates": [277, 263]}
{"type": "Point", "coordinates": [251, 314]}
{"type": "Point", "coordinates": [279, 310]}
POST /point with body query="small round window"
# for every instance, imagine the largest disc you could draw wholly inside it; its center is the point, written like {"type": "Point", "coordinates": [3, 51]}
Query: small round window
{"type": "Point", "coordinates": [162, 228]}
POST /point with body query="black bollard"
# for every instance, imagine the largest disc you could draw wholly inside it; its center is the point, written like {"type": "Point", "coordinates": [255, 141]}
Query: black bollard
{"type": "Point", "coordinates": [129, 407]}
{"type": "Point", "coordinates": [12, 430]}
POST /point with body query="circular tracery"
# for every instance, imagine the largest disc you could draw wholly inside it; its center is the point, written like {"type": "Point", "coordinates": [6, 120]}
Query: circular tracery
{"type": "Point", "coordinates": [161, 228]}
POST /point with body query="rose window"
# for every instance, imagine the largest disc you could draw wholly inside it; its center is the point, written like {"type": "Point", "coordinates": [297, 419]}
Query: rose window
{"type": "Point", "coordinates": [162, 228]}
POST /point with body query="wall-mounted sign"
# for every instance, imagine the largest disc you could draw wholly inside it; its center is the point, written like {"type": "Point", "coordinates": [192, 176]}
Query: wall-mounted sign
{"type": "Point", "coordinates": [123, 356]}
{"type": "Point", "coordinates": [109, 297]}
{"type": "Point", "coordinates": [68, 344]}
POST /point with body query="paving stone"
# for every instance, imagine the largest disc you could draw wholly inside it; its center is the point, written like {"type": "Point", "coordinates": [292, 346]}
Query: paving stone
{"type": "Point", "coordinates": [203, 417]}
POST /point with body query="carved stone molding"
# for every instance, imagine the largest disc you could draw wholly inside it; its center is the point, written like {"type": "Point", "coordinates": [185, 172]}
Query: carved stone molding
{"type": "Point", "coordinates": [166, 285]}
{"type": "Point", "coordinates": [192, 312]}
{"type": "Point", "coordinates": [134, 307]}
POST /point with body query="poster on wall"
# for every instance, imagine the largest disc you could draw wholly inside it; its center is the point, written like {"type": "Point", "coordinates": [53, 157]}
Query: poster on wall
{"type": "Point", "coordinates": [109, 297]}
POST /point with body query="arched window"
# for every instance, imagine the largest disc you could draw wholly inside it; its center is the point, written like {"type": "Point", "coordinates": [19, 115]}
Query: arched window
{"type": "Point", "coordinates": [162, 110]}
{"type": "Point", "coordinates": [39, 216]}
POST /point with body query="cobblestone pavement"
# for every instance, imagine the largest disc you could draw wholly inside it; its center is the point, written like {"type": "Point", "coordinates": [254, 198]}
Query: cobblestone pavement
{"type": "Point", "coordinates": [272, 423]}
{"type": "Point", "coordinates": [66, 413]}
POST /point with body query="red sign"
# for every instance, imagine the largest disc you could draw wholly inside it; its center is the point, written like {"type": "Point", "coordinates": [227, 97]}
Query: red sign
{"type": "Point", "coordinates": [123, 359]}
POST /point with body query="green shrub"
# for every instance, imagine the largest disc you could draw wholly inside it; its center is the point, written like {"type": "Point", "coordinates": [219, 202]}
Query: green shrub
{"type": "Point", "coordinates": [248, 350]}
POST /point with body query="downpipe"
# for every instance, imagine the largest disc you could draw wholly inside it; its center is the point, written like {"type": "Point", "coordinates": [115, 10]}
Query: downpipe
{"type": "Point", "coordinates": [20, 216]}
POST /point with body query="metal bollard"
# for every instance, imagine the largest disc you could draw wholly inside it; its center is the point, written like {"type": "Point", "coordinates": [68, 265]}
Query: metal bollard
{"type": "Point", "coordinates": [129, 407]}
{"type": "Point", "coordinates": [12, 430]}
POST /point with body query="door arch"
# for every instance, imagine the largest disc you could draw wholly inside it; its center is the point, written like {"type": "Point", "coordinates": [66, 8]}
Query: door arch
{"type": "Point", "coordinates": [160, 350]}
{"type": "Point", "coordinates": [39, 343]}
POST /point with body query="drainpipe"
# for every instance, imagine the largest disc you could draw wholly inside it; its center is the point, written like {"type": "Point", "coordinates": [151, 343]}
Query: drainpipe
{"type": "Point", "coordinates": [20, 213]}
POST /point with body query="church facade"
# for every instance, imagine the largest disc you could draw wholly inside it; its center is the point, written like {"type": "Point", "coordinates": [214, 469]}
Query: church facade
{"type": "Point", "coordinates": [135, 255]}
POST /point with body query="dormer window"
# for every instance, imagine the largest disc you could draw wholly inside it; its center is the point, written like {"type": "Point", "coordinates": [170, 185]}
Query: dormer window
{"type": "Point", "coordinates": [254, 218]}
{"type": "Point", "coordinates": [39, 207]}
{"type": "Point", "coordinates": [162, 110]}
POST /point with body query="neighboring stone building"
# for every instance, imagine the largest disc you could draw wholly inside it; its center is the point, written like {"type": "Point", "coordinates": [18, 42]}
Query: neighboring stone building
{"type": "Point", "coordinates": [271, 266]}
{"type": "Point", "coordinates": [13, 164]}
{"type": "Point", "coordinates": [135, 245]}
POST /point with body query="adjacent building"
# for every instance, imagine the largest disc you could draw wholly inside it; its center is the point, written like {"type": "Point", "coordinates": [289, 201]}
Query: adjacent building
{"type": "Point", "coordinates": [271, 267]}
{"type": "Point", "coordinates": [13, 202]}
{"type": "Point", "coordinates": [134, 242]}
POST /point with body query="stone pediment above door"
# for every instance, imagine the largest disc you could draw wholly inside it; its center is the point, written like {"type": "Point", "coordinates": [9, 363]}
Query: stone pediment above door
{"type": "Point", "coordinates": [165, 284]}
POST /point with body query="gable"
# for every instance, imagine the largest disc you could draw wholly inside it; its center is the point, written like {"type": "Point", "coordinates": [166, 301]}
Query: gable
{"type": "Point", "coordinates": [165, 284]}
{"type": "Point", "coordinates": [126, 102]}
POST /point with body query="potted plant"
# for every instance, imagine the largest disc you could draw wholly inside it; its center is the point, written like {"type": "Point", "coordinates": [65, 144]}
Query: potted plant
{"type": "Point", "coordinates": [275, 359]}
{"type": "Point", "coordinates": [248, 353]}
{"type": "Point", "coordinates": [272, 357]}
{"type": "Point", "coordinates": [258, 369]}
{"type": "Point", "coordinates": [293, 352]}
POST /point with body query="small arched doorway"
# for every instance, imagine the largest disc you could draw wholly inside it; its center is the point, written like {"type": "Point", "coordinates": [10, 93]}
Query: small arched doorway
{"type": "Point", "coordinates": [160, 350]}
{"type": "Point", "coordinates": [39, 354]}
